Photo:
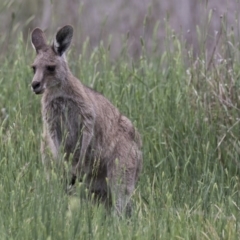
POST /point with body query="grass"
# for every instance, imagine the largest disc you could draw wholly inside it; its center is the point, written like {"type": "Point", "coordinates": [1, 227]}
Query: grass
{"type": "Point", "coordinates": [189, 120]}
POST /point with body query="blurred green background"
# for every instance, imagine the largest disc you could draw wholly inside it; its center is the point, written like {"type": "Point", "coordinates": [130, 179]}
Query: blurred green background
{"type": "Point", "coordinates": [103, 20]}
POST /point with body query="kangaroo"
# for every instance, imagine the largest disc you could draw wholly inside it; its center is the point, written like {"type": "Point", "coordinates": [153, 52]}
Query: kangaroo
{"type": "Point", "coordinates": [100, 142]}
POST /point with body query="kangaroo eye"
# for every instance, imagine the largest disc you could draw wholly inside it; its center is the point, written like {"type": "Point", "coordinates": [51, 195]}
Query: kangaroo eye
{"type": "Point", "coordinates": [33, 69]}
{"type": "Point", "coordinates": [51, 68]}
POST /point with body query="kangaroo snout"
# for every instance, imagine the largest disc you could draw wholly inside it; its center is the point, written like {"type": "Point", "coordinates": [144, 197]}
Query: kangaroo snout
{"type": "Point", "coordinates": [37, 87]}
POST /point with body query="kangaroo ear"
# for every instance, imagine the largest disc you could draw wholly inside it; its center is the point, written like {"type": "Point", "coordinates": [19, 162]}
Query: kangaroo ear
{"type": "Point", "coordinates": [63, 39]}
{"type": "Point", "coordinates": [38, 39]}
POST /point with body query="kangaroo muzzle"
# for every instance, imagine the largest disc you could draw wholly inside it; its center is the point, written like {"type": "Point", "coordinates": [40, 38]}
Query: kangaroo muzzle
{"type": "Point", "coordinates": [37, 87]}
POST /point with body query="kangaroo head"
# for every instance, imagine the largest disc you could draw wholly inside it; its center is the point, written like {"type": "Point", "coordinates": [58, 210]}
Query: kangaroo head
{"type": "Point", "coordinates": [49, 67]}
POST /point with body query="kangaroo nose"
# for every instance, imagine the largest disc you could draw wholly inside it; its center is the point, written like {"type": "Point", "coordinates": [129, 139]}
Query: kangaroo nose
{"type": "Point", "coordinates": [35, 85]}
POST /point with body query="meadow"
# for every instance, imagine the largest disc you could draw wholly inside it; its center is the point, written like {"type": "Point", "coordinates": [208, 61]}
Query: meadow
{"type": "Point", "coordinates": [187, 111]}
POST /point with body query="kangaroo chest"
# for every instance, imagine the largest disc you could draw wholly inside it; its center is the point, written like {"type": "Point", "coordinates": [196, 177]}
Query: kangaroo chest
{"type": "Point", "coordinates": [63, 123]}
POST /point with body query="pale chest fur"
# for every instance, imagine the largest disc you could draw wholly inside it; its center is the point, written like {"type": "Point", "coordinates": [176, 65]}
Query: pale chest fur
{"type": "Point", "coordinates": [63, 123]}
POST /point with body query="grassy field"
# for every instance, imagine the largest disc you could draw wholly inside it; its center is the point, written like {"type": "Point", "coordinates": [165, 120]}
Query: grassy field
{"type": "Point", "coordinates": [188, 117]}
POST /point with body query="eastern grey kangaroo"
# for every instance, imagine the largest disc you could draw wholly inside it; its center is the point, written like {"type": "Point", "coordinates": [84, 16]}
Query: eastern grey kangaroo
{"type": "Point", "coordinates": [102, 143]}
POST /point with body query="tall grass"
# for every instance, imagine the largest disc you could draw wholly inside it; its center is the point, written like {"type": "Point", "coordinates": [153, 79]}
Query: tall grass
{"type": "Point", "coordinates": [189, 121]}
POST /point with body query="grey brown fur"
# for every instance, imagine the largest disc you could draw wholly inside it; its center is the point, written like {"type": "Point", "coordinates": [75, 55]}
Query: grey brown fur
{"type": "Point", "coordinates": [103, 143]}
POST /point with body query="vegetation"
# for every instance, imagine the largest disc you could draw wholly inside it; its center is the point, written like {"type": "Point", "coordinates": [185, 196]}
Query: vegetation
{"type": "Point", "coordinates": [188, 115]}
